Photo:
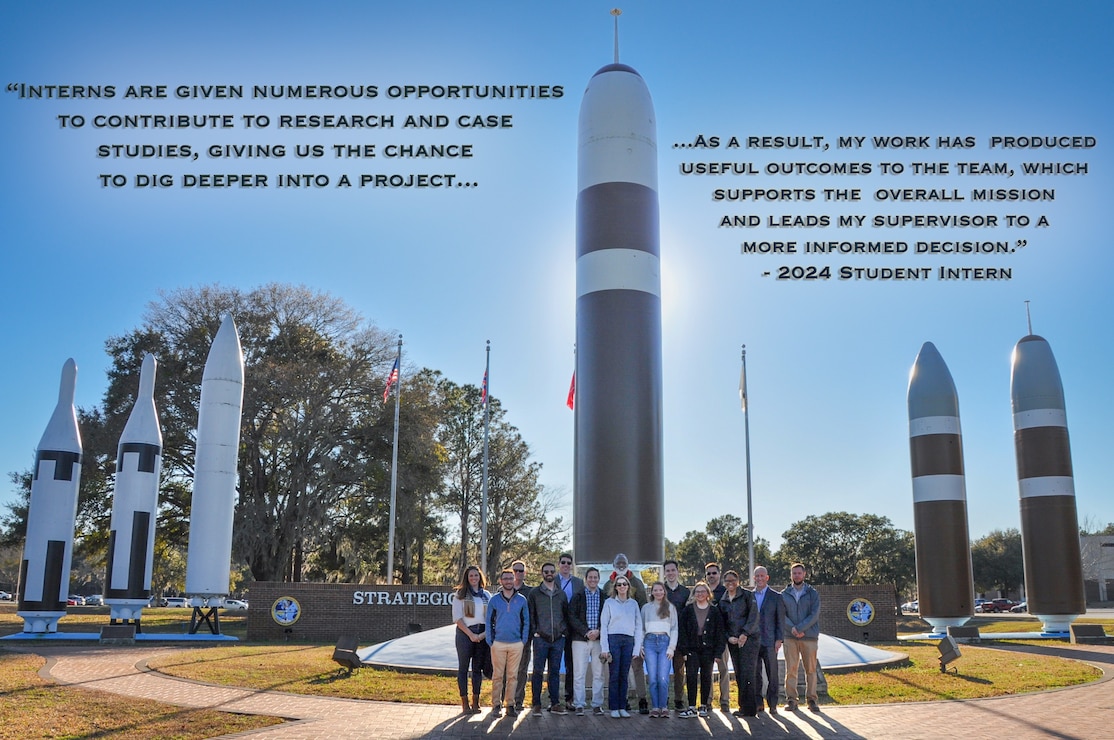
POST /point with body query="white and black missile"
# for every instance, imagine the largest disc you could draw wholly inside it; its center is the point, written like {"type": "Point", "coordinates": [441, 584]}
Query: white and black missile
{"type": "Point", "coordinates": [618, 500]}
{"type": "Point", "coordinates": [135, 500]}
{"type": "Point", "coordinates": [44, 574]}
{"type": "Point", "coordinates": [214, 477]}
{"type": "Point", "coordinates": [943, 547]}
{"type": "Point", "coordinates": [1049, 522]}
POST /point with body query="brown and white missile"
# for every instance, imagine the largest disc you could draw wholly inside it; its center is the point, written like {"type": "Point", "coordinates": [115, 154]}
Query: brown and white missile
{"type": "Point", "coordinates": [618, 497]}
{"type": "Point", "coordinates": [1049, 522]}
{"type": "Point", "coordinates": [943, 548]}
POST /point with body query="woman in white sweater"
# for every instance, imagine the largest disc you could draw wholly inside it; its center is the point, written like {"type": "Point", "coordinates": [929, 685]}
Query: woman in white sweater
{"type": "Point", "coordinates": [620, 639]}
{"type": "Point", "coordinates": [469, 613]}
{"type": "Point", "coordinates": [659, 629]}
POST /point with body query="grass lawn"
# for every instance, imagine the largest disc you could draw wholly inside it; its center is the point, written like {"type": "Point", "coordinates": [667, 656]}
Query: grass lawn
{"type": "Point", "coordinates": [310, 670]}
{"type": "Point", "coordinates": [33, 708]}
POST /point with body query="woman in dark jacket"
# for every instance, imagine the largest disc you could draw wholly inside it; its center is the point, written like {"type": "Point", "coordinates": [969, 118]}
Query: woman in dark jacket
{"type": "Point", "coordinates": [703, 638]}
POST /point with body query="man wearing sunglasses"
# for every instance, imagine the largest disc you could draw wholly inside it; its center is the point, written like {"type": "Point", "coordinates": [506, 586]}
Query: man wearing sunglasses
{"type": "Point", "coordinates": [571, 585]}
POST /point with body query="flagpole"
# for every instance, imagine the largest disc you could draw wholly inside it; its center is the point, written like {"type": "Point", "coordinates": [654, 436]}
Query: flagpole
{"type": "Point", "coordinates": [487, 424]}
{"type": "Point", "coordinates": [394, 471]}
{"type": "Point", "coordinates": [746, 434]}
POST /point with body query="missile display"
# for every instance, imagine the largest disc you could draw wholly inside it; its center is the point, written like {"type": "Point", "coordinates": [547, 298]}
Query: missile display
{"type": "Point", "coordinates": [618, 498]}
{"type": "Point", "coordinates": [214, 479]}
{"type": "Point", "coordinates": [44, 573]}
{"type": "Point", "coordinates": [1049, 522]}
{"type": "Point", "coordinates": [135, 500]}
{"type": "Point", "coordinates": [943, 548]}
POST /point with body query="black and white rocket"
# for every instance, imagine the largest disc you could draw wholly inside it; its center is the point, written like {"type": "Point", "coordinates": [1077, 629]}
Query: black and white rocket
{"type": "Point", "coordinates": [944, 581]}
{"type": "Point", "coordinates": [44, 574]}
{"type": "Point", "coordinates": [1049, 522]}
{"type": "Point", "coordinates": [618, 497]}
{"type": "Point", "coordinates": [135, 500]}
{"type": "Point", "coordinates": [214, 474]}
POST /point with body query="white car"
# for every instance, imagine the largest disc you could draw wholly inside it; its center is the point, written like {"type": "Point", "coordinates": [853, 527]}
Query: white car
{"type": "Point", "coordinates": [176, 601]}
{"type": "Point", "coordinates": [235, 605]}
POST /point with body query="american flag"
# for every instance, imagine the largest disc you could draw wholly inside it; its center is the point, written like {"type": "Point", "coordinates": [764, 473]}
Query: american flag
{"type": "Point", "coordinates": [483, 390]}
{"type": "Point", "coordinates": [572, 391]}
{"type": "Point", "coordinates": [391, 380]}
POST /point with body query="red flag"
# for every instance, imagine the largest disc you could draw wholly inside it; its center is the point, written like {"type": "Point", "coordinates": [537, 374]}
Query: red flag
{"type": "Point", "coordinates": [572, 391]}
{"type": "Point", "coordinates": [483, 390]}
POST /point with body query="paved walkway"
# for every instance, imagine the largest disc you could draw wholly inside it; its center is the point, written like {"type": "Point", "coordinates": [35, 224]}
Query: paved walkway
{"type": "Point", "coordinates": [1083, 712]}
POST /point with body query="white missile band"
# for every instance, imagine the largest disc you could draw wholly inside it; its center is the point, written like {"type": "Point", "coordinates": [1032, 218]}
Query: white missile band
{"type": "Point", "coordinates": [1049, 485]}
{"type": "Point", "coordinates": [1040, 418]}
{"type": "Point", "coordinates": [939, 488]}
{"type": "Point", "coordinates": [933, 425]}
{"type": "Point", "coordinates": [618, 269]}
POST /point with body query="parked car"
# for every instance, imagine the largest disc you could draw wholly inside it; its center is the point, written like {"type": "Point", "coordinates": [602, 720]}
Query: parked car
{"type": "Point", "coordinates": [978, 605]}
{"type": "Point", "coordinates": [1021, 608]}
{"type": "Point", "coordinates": [911, 606]}
{"type": "Point", "coordinates": [235, 605]}
{"type": "Point", "coordinates": [997, 605]}
{"type": "Point", "coordinates": [75, 600]}
{"type": "Point", "coordinates": [176, 601]}
{"type": "Point", "coordinates": [5, 596]}
{"type": "Point", "coordinates": [94, 600]}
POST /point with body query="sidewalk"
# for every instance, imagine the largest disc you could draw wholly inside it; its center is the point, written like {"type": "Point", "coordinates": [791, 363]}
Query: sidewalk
{"type": "Point", "coordinates": [1083, 712]}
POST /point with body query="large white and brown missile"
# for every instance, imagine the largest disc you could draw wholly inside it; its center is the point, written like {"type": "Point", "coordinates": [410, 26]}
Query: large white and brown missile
{"type": "Point", "coordinates": [618, 497]}
{"type": "Point", "coordinates": [44, 573]}
{"type": "Point", "coordinates": [135, 501]}
{"type": "Point", "coordinates": [1049, 522]}
{"type": "Point", "coordinates": [214, 475]}
{"type": "Point", "coordinates": [943, 547]}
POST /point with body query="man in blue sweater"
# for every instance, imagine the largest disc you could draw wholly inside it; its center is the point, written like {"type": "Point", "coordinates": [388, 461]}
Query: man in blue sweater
{"type": "Point", "coordinates": [800, 629]}
{"type": "Point", "coordinates": [508, 630]}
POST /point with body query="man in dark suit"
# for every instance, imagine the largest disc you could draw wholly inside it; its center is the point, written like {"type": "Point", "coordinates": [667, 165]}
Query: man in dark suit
{"type": "Point", "coordinates": [769, 623]}
{"type": "Point", "coordinates": [571, 585]}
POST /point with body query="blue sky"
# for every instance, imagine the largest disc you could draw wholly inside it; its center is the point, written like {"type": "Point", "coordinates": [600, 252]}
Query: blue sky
{"type": "Point", "coordinates": [828, 361]}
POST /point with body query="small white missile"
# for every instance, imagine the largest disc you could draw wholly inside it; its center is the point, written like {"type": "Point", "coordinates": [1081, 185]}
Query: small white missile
{"type": "Point", "coordinates": [214, 477]}
{"type": "Point", "coordinates": [131, 541]}
{"type": "Point", "coordinates": [44, 574]}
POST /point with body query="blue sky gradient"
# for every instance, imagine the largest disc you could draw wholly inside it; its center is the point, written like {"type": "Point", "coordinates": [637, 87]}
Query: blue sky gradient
{"type": "Point", "coordinates": [828, 361]}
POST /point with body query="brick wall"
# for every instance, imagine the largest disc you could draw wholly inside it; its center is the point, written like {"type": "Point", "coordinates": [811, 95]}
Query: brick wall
{"type": "Point", "coordinates": [328, 610]}
{"type": "Point", "coordinates": [834, 621]}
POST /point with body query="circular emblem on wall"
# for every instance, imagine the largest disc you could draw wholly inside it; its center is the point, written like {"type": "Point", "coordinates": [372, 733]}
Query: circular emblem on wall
{"type": "Point", "coordinates": [860, 612]}
{"type": "Point", "coordinates": [286, 610]}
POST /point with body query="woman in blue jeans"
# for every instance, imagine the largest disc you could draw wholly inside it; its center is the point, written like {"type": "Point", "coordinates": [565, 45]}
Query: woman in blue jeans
{"type": "Point", "coordinates": [620, 638]}
{"type": "Point", "coordinates": [659, 627]}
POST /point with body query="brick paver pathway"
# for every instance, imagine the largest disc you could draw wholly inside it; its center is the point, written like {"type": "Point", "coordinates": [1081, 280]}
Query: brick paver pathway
{"type": "Point", "coordinates": [1082, 712]}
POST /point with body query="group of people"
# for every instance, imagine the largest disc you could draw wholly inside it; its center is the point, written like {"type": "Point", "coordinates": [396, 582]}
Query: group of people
{"type": "Point", "coordinates": [621, 629]}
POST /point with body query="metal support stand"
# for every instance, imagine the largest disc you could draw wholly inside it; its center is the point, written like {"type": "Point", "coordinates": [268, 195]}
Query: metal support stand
{"type": "Point", "coordinates": [210, 617]}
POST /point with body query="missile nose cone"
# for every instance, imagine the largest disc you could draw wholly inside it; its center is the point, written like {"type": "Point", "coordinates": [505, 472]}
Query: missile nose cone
{"type": "Point", "coordinates": [143, 422]}
{"type": "Point", "coordinates": [931, 388]}
{"type": "Point", "coordinates": [617, 130]}
{"type": "Point", "coordinates": [226, 358]}
{"type": "Point", "coordinates": [147, 377]}
{"type": "Point", "coordinates": [69, 383]}
{"type": "Point", "coordinates": [61, 432]}
{"type": "Point", "coordinates": [1034, 376]}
